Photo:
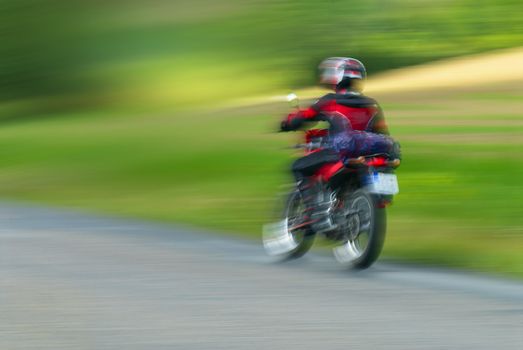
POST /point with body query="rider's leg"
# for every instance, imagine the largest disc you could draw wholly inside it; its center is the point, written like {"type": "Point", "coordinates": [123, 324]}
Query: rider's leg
{"type": "Point", "coordinates": [312, 190]}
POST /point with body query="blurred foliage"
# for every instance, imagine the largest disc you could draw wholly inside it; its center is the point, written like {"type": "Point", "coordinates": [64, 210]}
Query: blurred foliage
{"type": "Point", "coordinates": [460, 181]}
{"type": "Point", "coordinates": [118, 73]}
{"type": "Point", "coordinates": [175, 52]}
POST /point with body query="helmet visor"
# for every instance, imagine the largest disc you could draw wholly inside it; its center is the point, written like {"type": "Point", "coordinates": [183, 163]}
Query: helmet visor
{"type": "Point", "coordinates": [331, 75]}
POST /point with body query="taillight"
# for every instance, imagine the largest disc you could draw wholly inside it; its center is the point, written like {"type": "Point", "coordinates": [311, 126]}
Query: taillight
{"type": "Point", "coordinates": [377, 162]}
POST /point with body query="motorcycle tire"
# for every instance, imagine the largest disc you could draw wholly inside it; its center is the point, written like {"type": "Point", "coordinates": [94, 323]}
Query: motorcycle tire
{"type": "Point", "coordinates": [372, 220]}
{"type": "Point", "coordinates": [304, 238]}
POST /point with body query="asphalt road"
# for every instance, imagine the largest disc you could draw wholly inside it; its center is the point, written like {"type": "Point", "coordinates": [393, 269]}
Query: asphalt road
{"type": "Point", "coordinates": [73, 281]}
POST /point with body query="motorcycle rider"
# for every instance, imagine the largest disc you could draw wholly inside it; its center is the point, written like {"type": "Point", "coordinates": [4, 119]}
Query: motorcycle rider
{"type": "Point", "coordinates": [351, 115]}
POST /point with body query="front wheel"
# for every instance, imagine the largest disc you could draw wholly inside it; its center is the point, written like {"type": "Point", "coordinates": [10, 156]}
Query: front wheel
{"type": "Point", "coordinates": [289, 238]}
{"type": "Point", "coordinates": [365, 229]}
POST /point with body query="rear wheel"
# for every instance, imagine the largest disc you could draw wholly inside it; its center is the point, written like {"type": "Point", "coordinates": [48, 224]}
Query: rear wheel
{"type": "Point", "coordinates": [364, 230]}
{"type": "Point", "coordinates": [290, 238]}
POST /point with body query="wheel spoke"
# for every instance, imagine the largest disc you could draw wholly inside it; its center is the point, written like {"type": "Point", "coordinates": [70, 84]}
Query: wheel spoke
{"type": "Point", "coordinates": [360, 224]}
{"type": "Point", "coordinates": [364, 230]}
{"type": "Point", "coordinates": [364, 227]}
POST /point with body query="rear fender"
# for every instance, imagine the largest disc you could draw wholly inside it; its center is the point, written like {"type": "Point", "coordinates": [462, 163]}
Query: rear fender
{"type": "Point", "coordinates": [327, 171]}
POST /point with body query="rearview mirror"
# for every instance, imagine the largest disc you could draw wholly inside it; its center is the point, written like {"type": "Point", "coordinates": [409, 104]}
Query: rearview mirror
{"type": "Point", "coordinates": [293, 100]}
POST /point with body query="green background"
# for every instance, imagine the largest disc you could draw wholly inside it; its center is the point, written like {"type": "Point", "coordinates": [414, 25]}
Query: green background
{"type": "Point", "coordinates": [118, 107]}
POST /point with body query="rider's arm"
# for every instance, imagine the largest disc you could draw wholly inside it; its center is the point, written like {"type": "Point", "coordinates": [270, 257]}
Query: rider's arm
{"type": "Point", "coordinates": [378, 124]}
{"type": "Point", "coordinates": [295, 120]}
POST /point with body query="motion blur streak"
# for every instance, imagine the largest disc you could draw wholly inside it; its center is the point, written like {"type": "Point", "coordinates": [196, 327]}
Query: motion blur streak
{"type": "Point", "coordinates": [117, 107]}
{"type": "Point", "coordinates": [131, 52]}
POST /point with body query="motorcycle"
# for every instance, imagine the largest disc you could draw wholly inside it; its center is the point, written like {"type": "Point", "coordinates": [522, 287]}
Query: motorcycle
{"type": "Point", "coordinates": [358, 192]}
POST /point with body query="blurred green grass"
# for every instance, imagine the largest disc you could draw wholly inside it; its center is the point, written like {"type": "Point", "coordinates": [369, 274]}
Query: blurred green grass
{"type": "Point", "coordinates": [111, 107]}
{"type": "Point", "coordinates": [460, 201]}
{"type": "Point", "coordinates": [162, 167]}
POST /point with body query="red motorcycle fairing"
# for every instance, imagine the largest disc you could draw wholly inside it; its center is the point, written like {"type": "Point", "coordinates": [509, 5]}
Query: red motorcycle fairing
{"type": "Point", "coordinates": [327, 171]}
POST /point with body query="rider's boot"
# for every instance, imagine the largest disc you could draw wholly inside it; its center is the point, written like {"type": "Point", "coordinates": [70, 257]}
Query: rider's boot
{"type": "Point", "coordinates": [317, 205]}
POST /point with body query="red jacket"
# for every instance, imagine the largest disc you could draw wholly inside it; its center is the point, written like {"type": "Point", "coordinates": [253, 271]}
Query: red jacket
{"type": "Point", "coordinates": [353, 111]}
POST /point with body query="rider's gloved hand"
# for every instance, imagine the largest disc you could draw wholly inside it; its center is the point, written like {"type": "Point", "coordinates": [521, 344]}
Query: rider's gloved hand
{"type": "Point", "coordinates": [284, 126]}
{"type": "Point", "coordinates": [287, 123]}
{"type": "Point", "coordinates": [293, 122]}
